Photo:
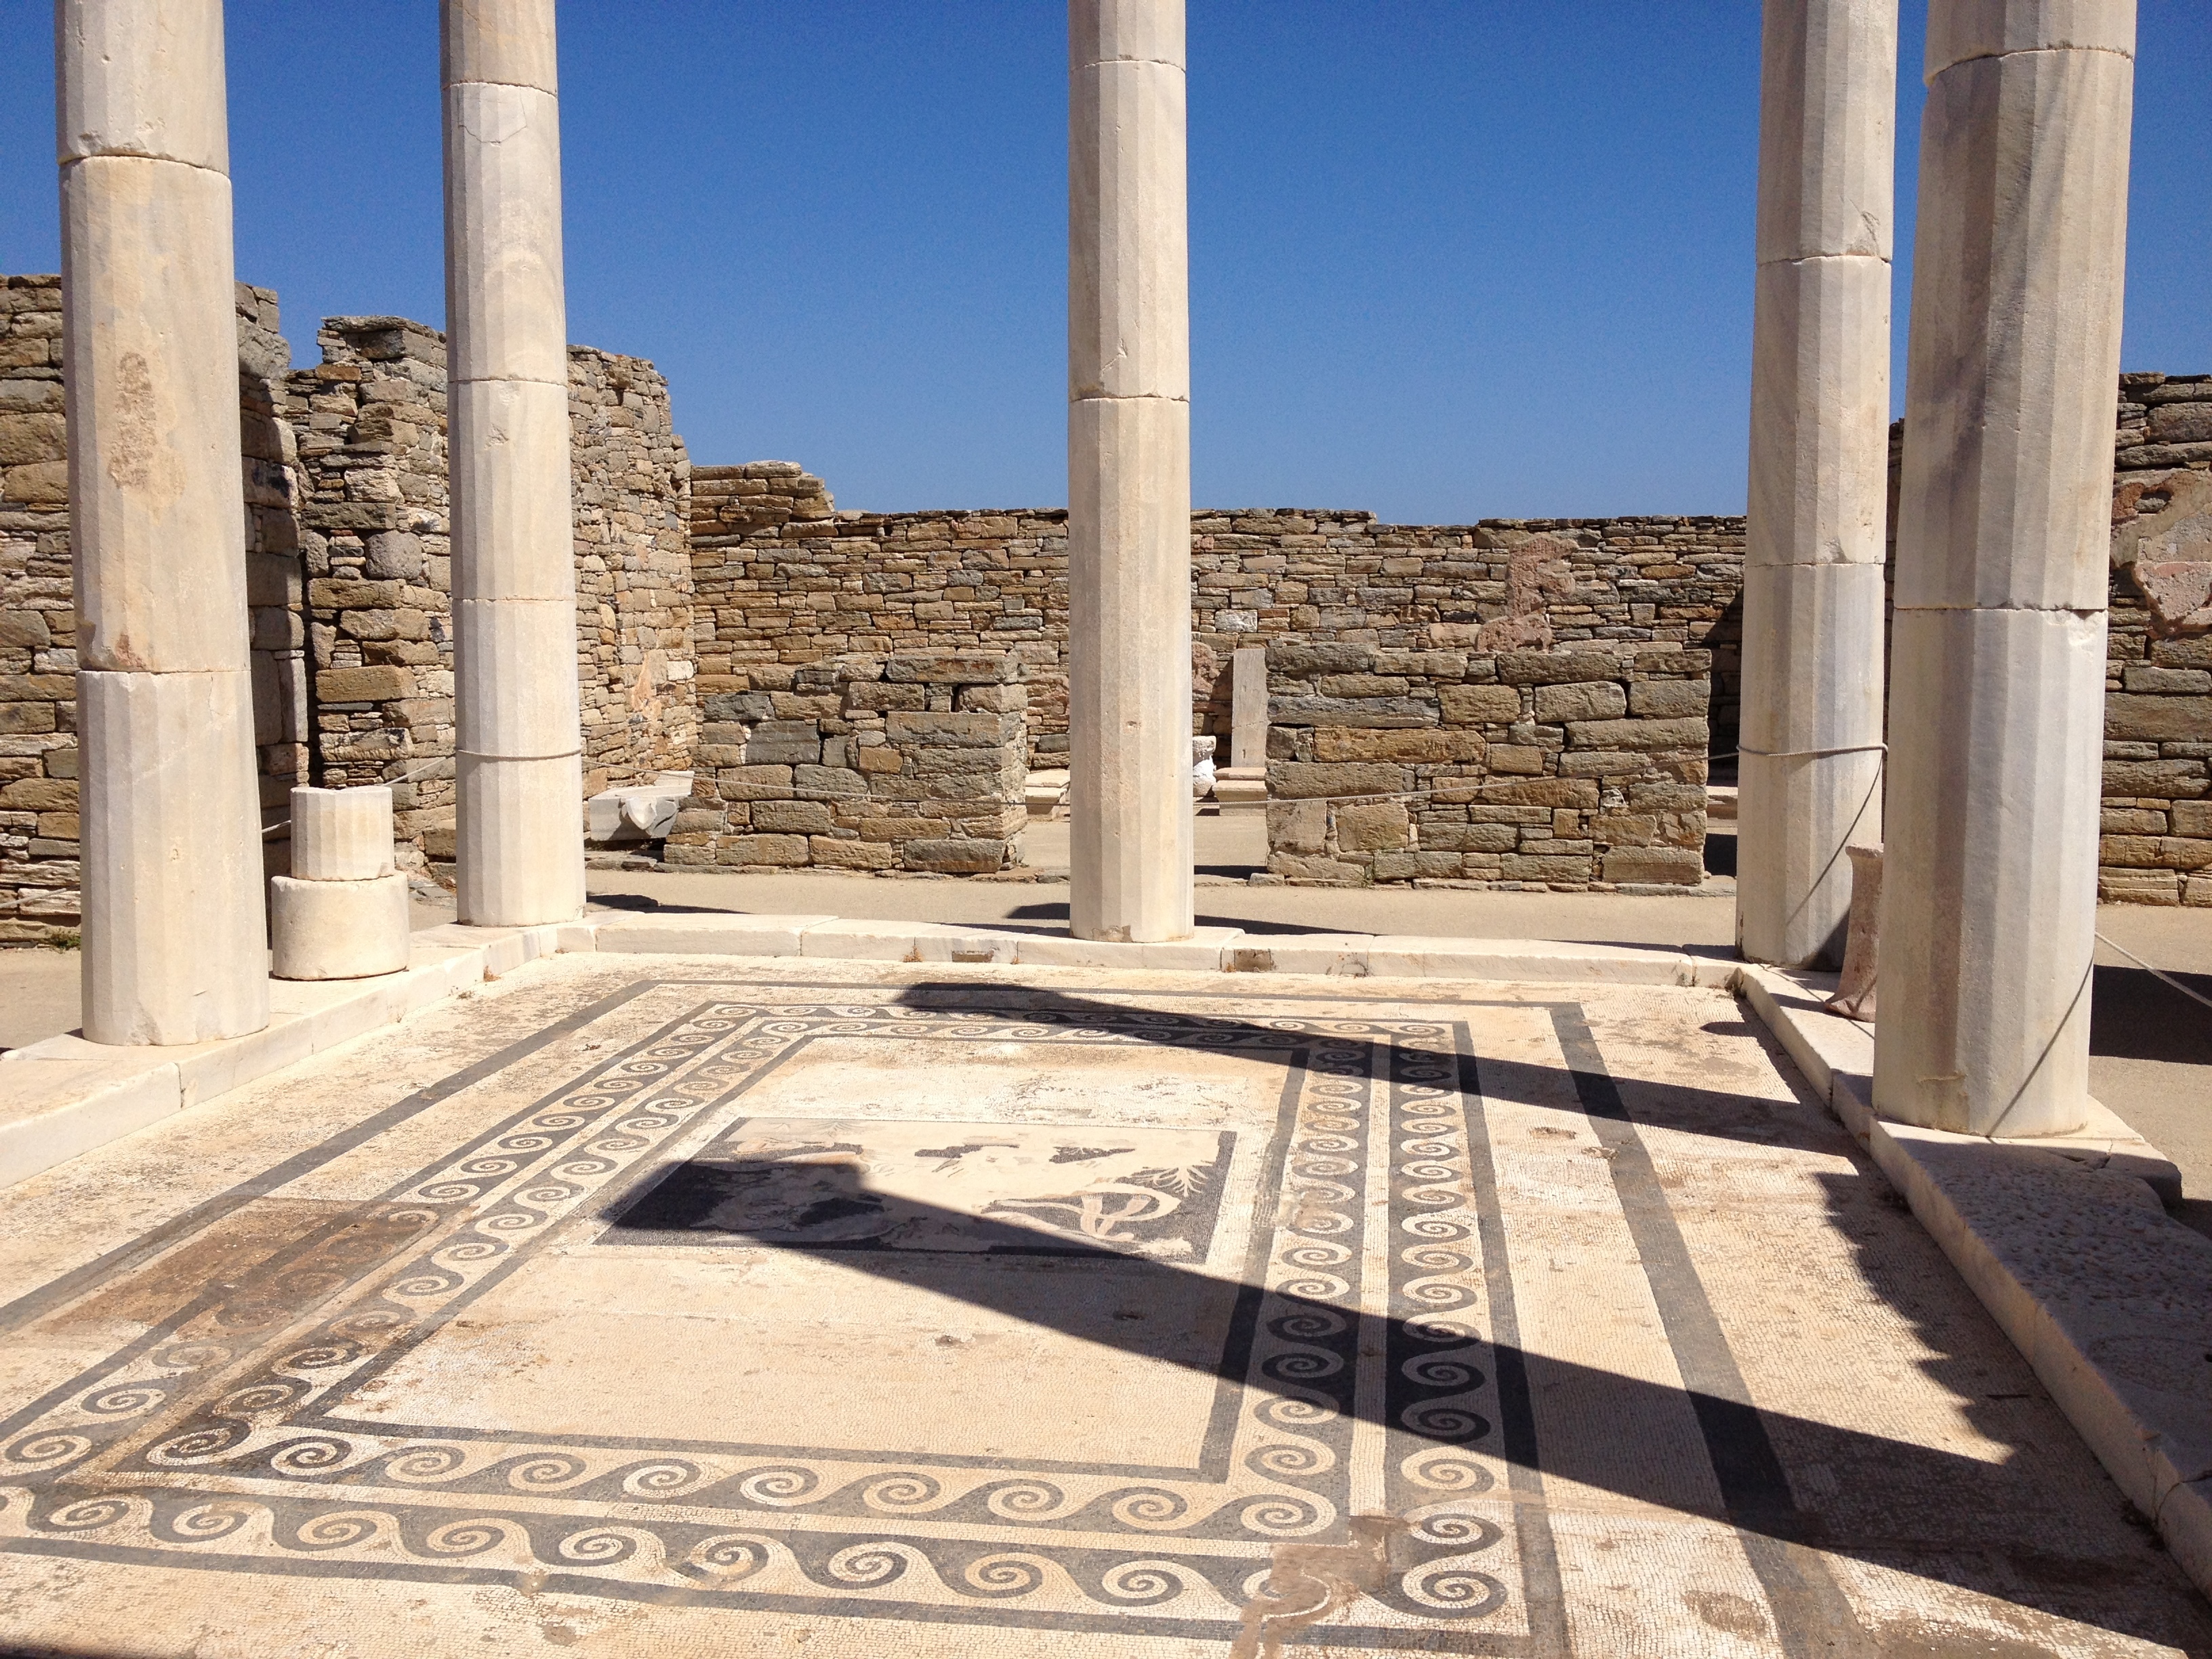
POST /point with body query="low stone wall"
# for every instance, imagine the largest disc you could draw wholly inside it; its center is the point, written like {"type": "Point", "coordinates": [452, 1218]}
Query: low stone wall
{"type": "Point", "coordinates": [2157, 843]}
{"type": "Point", "coordinates": [910, 761]}
{"type": "Point", "coordinates": [783, 577]}
{"type": "Point", "coordinates": [1571, 769]}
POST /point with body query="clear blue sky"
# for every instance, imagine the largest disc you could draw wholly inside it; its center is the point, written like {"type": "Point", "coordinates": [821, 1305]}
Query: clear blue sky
{"type": "Point", "coordinates": [1450, 258]}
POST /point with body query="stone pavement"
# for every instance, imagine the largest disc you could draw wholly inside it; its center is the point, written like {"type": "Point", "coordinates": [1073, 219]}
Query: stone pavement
{"type": "Point", "coordinates": [706, 1305]}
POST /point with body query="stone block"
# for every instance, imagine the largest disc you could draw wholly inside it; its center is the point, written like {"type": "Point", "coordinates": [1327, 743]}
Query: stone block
{"type": "Point", "coordinates": [1469, 837]}
{"type": "Point", "coordinates": [1299, 780]}
{"type": "Point", "coordinates": [800, 818]}
{"type": "Point", "coordinates": [1581, 792]}
{"type": "Point", "coordinates": [1295, 867]}
{"type": "Point", "coordinates": [951, 667]}
{"type": "Point", "coordinates": [1517, 760]}
{"type": "Point", "coordinates": [1670, 699]}
{"type": "Point", "coordinates": [1432, 745]}
{"type": "Point", "coordinates": [1411, 866]}
{"type": "Point", "coordinates": [1351, 711]}
{"type": "Point", "coordinates": [1555, 667]}
{"type": "Point", "coordinates": [817, 782]}
{"type": "Point", "coordinates": [2191, 818]}
{"type": "Point", "coordinates": [1639, 734]}
{"type": "Point", "coordinates": [1306, 661]}
{"type": "Point", "coordinates": [956, 855]}
{"type": "Point", "coordinates": [1297, 826]}
{"type": "Point", "coordinates": [322, 930]}
{"type": "Point", "coordinates": [784, 743]}
{"type": "Point", "coordinates": [754, 783]}
{"type": "Point", "coordinates": [341, 834]}
{"type": "Point", "coordinates": [834, 853]}
{"type": "Point", "coordinates": [1677, 865]}
{"type": "Point", "coordinates": [1479, 705]}
{"type": "Point", "coordinates": [376, 684]}
{"type": "Point", "coordinates": [2120, 886]}
{"type": "Point", "coordinates": [1519, 866]}
{"type": "Point", "coordinates": [1372, 827]}
{"type": "Point", "coordinates": [1580, 699]}
{"type": "Point", "coordinates": [763, 849]}
{"type": "Point", "coordinates": [2155, 718]}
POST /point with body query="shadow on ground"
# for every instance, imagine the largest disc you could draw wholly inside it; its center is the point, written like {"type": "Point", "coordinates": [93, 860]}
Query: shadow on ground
{"type": "Point", "coordinates": [1789, 1485]}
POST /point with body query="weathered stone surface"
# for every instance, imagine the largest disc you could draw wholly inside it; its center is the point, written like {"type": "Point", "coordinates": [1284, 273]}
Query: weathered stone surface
{"type": "Point", "coordinates": [1479, 704]}
{"type": "Point", "coordinates": [1432, 745]}
{"type": "Point", "coordinates": [1586, 699]}
{"type": "Point", "coordinates": [1292, 781]}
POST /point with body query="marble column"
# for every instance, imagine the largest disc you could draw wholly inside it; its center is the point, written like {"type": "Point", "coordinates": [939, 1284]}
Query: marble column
{"type": "Point", "coordinates": [175, 948]}
{"type": "Point", "coordinates": [520, 841]}
{"type": "Point", "coordinates": [1810, 767]}
{"type": "Point", "coordinates": [1129, 473]}
{"type": "Point", "coordinates": [1997, 687]}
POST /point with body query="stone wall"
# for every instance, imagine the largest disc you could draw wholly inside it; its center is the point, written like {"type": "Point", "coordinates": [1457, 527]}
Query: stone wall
{"type": "Point", "coordinates": [1569, 769]}
{"type": "Point", "coordinates": [783, 577]}
{"type": "Point", "coordinates": [39, 842]}
{"type": "Point", "coordinates": [911, 761]}
{"type": "Point", "coordinates": [371, 423]}
{"type": "Point", "coordinates": [2157, 844]}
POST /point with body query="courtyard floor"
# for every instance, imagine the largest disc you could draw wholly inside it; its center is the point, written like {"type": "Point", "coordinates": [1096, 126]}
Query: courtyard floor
{"type": "Point", "coordinates": [681, 1305]}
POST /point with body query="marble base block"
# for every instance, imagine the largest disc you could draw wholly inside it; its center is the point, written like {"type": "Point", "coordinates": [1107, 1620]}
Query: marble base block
{"type": "Point", "coordinates": [338, 929]}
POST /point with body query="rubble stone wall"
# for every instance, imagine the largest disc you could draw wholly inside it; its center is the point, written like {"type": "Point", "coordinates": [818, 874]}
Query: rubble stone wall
{"type": "Point", "coordinates": [783, 577]}
{"type": "Point", "coordinates": [1574, 767]}
{"type": "Point", "coordinates": [911, 761]}
{"type": "Point", "coordinates": [2157, 844]}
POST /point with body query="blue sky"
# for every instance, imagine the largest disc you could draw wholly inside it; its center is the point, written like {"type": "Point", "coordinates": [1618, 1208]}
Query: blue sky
{"type": "Point", "coordinates": [1450, 258]}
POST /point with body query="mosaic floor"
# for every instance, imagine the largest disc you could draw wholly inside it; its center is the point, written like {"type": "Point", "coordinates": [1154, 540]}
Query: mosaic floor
{"type": "Point", "coordinates": [672, 1306]}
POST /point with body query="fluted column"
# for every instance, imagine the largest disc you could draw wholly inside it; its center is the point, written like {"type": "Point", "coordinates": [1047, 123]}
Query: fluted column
{"type": "Point", "coordinates": [1996, 692]}
{"type": "Point", "coordinates": [1811, 747]}
{"type": "Point", "coordinates": [519, 842]}
{"type": "Point", "coordinates": [1129, 473]}
{"type": "Point", "coordinates": [175, 950]}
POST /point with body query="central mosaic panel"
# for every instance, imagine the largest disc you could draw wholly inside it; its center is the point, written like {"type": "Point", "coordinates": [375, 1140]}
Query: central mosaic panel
{"type": "Point", "coordinates": [1076, 1316]}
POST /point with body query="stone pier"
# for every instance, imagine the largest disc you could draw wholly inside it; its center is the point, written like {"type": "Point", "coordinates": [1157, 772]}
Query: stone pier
{"type": "Point", "coordinates": [1129, 473]}
{"type": "Point", "coordinates": [1997, 695]}
{"type": "Point", "coordinates": [176, 950]}
{"type": "Point", "coordinates": [1811, 747]}
{"type": "Point", "coordinates": [519, 843]}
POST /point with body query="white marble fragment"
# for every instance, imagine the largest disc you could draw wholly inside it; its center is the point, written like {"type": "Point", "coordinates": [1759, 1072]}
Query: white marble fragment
{"type": "Point", "coordinates": [338, 929]}
{"type": "Point", "coordinates": [342, 834]}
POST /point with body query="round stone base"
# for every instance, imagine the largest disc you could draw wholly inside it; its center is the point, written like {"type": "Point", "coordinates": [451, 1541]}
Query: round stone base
{"type": "Point", "coordinates": [338, 929]}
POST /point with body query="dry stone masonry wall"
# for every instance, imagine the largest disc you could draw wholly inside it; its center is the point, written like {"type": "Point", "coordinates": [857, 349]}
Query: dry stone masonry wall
{"type": "Point", "coordinates": [784, 577]}
{"type": "Point", "coordinates": [1569, 769]}
{"type": "Point", "coordinates": [2157, 843]}
{"type": "Point", "coordinates": [910, 761]}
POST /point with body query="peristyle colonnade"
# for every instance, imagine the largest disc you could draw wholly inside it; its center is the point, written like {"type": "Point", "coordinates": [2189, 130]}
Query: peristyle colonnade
{"type": "Point", "coordinates": [1991, 771]}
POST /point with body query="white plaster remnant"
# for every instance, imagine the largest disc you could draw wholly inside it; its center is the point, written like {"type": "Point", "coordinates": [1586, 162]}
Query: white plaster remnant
{"type": "Point", "coordinates": [519, 769]}
{"type": "Point", "coordinates": [1810, 761]}
{"type": "Point", "coordinates": [174, 949]}
{"type": "Point", "coordinates": [1996, 699]}
{"type": "Point", "coordinates": [1128, 460]}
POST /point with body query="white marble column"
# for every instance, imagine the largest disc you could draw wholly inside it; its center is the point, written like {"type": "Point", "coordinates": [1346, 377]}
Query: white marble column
{"type": "Point", "coordinates": [1810, 767]}
{"type": "Point", "coordinates": [175, 949]}
{"type": "Point", "coordinates": [1129, 473]}
{"type": "Point", "coordinates": [1996, 691]}
{"type": "Point", "coordinates": [520, 841]}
